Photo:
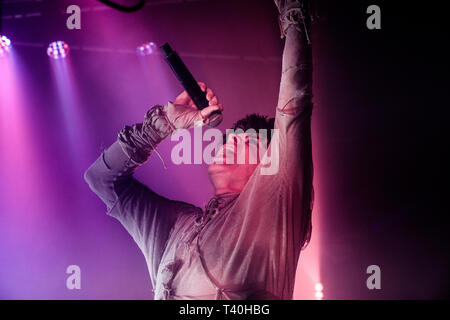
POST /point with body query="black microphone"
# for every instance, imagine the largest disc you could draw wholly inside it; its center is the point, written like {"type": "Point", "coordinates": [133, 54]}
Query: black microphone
{"type": "Point", "coordinates": [189, 84]}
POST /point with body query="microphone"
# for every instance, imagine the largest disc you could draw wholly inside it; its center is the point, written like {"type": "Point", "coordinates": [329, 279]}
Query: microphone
{"type": "Point", "coordinates": [189, 84]}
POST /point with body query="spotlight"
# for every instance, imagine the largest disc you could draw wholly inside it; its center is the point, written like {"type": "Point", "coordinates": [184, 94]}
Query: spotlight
{"type": "Point", "coordinates": [5, 45]}
{"type": "Point", "coordinates": [146, 49]}
{"type": "Point", "coordinates": [319, 288]}
{"type": "Point", "coordinates": [58, 50]}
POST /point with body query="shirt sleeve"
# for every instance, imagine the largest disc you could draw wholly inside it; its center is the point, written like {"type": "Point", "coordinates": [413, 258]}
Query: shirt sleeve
{"type": "Point", "coordinates": [291, 172]}
{"type": "Point", "coordinates": [271, 219]}
{"type": "Point", "coordinates": [147, 216]}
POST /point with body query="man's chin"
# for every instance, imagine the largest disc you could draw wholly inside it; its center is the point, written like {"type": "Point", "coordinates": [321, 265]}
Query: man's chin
{"type": "Point", "coordinates": [215, 168]}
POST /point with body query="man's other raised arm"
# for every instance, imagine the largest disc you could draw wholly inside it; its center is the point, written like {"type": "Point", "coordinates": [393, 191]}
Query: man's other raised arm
{"type": "Point", "coordinates": [147, 216]}
{"type": "Point", "coordinates": [111, 175]}
{"type": "Point", "coordinates": [296, 80]}
{"type": "Point", "coordinates": [293, 115]}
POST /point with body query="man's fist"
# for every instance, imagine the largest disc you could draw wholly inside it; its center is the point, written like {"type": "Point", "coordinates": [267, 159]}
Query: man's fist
{"type": "Point", "coordinates": [183, 113]}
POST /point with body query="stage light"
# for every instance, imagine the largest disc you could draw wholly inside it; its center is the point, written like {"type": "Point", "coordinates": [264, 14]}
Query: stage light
{"type": "Point", "coordinates": [58, 50]}
{"type": "Point", "coordinates": [319, 288]}
{"type": "Point", "coordinates": [5, 45]}
{"type": "Point", "coordinates": [146, 49]}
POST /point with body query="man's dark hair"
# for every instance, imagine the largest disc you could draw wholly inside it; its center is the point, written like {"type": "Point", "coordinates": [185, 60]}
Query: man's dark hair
{"type": "Point", "coordinates": [256, 122]}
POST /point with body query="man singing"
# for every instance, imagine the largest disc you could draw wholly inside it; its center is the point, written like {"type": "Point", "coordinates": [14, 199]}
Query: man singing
{"type": "Point", "coordinates": [247, 241]}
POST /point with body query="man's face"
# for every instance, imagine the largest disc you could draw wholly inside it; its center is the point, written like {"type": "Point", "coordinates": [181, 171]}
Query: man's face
{"type": "Point", "coordinates": [236, 159]}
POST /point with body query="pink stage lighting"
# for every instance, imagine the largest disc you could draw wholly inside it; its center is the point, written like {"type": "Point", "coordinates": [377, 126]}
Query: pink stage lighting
{"type": "Point", "coordinates": [58, 50]}
{"type": "Point", "coordinates": [319, 291]}
{"type": "Point", "coordinates": [146, 49]}
{"type": "Point", "coordinates": [5, 45]}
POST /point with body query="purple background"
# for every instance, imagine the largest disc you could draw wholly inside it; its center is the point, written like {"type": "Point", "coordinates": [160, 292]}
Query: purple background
{"type": "Point", "coordinates": [377, 162]}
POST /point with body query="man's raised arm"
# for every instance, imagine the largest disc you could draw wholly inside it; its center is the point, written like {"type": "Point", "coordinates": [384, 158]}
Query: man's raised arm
{"type": "Point", "coordinates": [293, 118]}
{"type": "Point", "coordinates": [296, 80]}
{"type": "Point", "coordinates": [111, 175]}
{"type": "Point", "coordinates": [147, 216]}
